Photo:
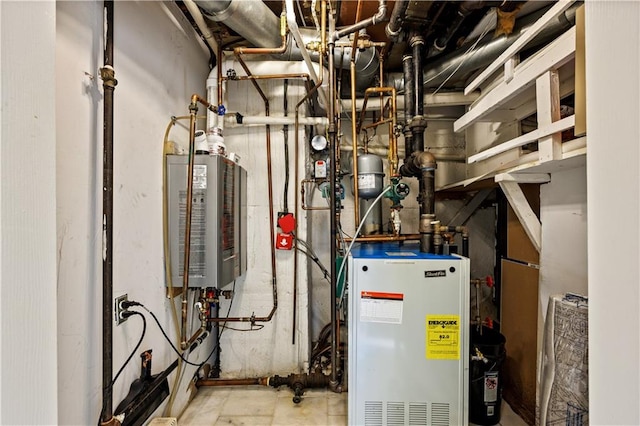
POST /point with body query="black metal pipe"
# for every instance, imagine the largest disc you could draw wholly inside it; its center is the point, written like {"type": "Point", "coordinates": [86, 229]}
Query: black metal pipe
{"type": "Point", "coordinates": [394, 26]}
{"type": "Point", "coordinates": [465, 246]}
{"type": "Point", "coordinates": [409, 103]}
{"type": "Point", "coordinates": [109, 82]}
{"type": "Point", "coordinates": [418, 125]}
{"type": "Point", "coordinates": [427, 182]}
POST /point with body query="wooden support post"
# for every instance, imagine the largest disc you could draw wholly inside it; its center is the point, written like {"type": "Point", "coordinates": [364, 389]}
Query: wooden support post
{"type": "Point", "coordinates": [548, 100]}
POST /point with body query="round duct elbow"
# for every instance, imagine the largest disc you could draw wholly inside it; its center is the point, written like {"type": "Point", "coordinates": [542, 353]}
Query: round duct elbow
{"type": "Point", "coordinates": [253, 20]}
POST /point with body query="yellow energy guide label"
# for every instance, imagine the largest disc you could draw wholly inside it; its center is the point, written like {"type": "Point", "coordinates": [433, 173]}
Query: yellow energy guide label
{"type": "Point", "coordinates": [443, 337]}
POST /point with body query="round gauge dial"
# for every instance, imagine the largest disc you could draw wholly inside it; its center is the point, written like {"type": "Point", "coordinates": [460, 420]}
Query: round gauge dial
{"type": "Point", "coordinates": [319, 143]}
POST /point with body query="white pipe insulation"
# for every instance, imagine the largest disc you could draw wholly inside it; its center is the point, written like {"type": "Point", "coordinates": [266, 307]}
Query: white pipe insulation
{"type": "Point", "coordinates": [231, 121]}
{"type": "Point", "coordinates": [259, 68]}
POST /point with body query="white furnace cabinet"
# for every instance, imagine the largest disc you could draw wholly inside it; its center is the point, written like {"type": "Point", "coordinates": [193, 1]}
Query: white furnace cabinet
{"type": "Point", "coordinates": [408, 337]}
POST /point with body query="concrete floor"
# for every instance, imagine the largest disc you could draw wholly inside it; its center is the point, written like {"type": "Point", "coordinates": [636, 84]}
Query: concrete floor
{"type": "Point", "coordinates": [256, 406]}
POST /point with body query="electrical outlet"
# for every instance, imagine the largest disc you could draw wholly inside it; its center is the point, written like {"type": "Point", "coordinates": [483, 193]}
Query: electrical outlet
{"type": "Point", "coordinates": [117, 310]}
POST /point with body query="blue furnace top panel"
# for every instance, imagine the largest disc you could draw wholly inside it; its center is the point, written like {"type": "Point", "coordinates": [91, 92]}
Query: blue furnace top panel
{"type": "Point", "coordinates": [394, 251]}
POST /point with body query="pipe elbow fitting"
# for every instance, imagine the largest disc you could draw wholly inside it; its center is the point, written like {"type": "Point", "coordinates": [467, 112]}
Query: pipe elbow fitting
{"type": "Point", "coordinates": [426, 161]}
{"type": "Point", "coordinates": [391, 33]}
{"type": "Point", "coordinates": [381, 16]}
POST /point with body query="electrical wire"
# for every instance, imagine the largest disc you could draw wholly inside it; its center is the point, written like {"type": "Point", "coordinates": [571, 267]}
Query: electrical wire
{"type": "Point", "coordinates": [164, 333]}
{"type": "Point", "coordinates": [315, 260]}
{"type": "Point", "coordinates": [364, 218]}
{"type": "Point", "coordinates": [468, 53]}
{"type": "Point", "coordinates": [285, 130]}
{"type": "Point", "coordinates": [258, 327]}
{"type": "Point", "coordinates": [133, 352]}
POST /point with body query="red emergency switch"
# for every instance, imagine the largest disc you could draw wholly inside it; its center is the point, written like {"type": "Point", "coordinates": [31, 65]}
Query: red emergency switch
{"type": "Point", "coordinates": [287, 222]}
{"type": "Point", "coordinates": [284, 241]}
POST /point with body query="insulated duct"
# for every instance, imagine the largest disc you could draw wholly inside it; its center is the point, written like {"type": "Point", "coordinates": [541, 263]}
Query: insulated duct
{"type": "Point", "coordinates": [437, 71]}
{"type": "Point", "coordinates": [254, 21]}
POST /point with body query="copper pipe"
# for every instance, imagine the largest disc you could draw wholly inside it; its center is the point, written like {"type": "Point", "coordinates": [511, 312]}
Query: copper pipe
{"type": "Point", "coordinates": [268, 50]}
{"type": "Point", "coordinates": [392, 120]}
{"type": "Point", "coordinates": [354, 143]}
{"type": "Point", "coordinates": [253, 318]}
{"type": "Point", "coordinates": [197, 334]}
{"type": "Point", "coordinates": [377, 123]}
{"type": "Point", "coordinates": [302, 195]}
{"type": "Point", "coordinates": [354, 133]}
{"type": "Point", "coordinates": [193, 109]}
{"type": "Point", "coordinates": [262, 381]}
{"type": "Point", "coordinates": [384, 238]}
{"type": "Point", "coordinates": [362, 44]}
{"type": "Point", "coordinates": [323, 28]}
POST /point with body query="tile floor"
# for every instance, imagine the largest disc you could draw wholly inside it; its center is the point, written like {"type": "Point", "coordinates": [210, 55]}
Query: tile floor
{"type": "Point", "coordinates": [257, 406]}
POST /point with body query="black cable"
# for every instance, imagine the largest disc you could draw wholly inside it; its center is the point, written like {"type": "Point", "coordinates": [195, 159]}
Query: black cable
{"type": "Point", "coordinates": [315, 260]}
{"type": "Point", "coordinates": [129, 304]}
{"type": "Point", "coordinates": [286, 152]}
{"type": "Point", "coordinates": [258, 327]}
{"type": "Point", "coordinates": [167, 338]}
{"type": "Point", "coordinates": [113, 381]}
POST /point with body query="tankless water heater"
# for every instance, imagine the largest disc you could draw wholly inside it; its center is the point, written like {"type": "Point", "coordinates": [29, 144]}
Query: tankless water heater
{"type": "Point", "coordinates": [408, 337]}
{"type": "Point", "coordinates": [218, 220]}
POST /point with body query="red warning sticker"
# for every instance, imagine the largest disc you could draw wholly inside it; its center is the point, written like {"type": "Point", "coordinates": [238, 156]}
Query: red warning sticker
{"type": "Point", "coordinates": [381, 295]}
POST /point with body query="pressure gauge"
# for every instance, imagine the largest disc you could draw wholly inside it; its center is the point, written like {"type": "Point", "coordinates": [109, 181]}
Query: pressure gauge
{"type": "Point", "coordinates": [319, 143]}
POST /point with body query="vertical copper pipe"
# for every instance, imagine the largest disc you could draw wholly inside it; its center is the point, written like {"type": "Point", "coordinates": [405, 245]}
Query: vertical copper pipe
{"type": "Point", "coordinates": [323, 29]}
{"type": "Point", "coordinates": [237, 52]}
{"type": "Point", "coordinates": [354, 134]}
{"type": "Point", "coordinates": [193, 109]}
{"type": "Point", "coordinates": [393, 140]}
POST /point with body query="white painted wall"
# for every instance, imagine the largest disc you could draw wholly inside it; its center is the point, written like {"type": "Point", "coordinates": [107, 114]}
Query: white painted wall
{"type": "Point", "coordinates": [158, 64]}
{"type": "Point", "coordinates": [563, 214]}
{"type": "Point", "coordinates": [613, 188]}
{"type": "Point", "coordinates": [27, 214]}
{"type": "Point", "coordinates": [269, 350]}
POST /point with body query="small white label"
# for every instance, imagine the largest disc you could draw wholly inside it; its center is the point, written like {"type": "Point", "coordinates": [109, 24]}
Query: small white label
{"type": "Point", "coordinates": [366, 181]}
{"type": "Point", "coordinates": [320, 169]}
{"type": "Point", "coordinates": [381, 307]}
{"type": "Point", "coordinates": [400, 253]}
{"type": "Point", "coordinates": [200, 176]}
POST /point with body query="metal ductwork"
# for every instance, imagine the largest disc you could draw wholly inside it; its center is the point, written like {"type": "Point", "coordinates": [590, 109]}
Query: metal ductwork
{"type": "Point", "coordinates": [253, 20]}
{"type": "Point", "coordinates": [487, 51]}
